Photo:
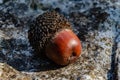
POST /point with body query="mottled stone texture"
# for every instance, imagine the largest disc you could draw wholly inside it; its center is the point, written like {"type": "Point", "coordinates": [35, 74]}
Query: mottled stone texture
{"type": "Point", "coordinates": [96, 22]}
{"type": "Point", "coordinates": [8, 73]}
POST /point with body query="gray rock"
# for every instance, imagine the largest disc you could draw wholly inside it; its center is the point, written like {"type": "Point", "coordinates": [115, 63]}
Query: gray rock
{"type": "Point", "coordinates": [8, 73]}
{"type": "Point", "coordinates": [95, 22]}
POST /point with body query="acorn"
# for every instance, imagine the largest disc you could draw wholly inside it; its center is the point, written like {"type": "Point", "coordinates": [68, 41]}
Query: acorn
{"type": "Point", "coordinates": [51, 35]}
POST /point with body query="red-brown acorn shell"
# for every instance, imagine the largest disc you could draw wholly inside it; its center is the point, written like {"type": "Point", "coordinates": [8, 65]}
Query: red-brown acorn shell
{"type": "Point", "coordinates": [64, 47]}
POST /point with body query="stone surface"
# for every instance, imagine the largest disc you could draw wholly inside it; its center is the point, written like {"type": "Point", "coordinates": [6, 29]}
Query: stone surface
{"type": "Point", "coordinates": [96, 22]}
{"type": "Point", "coordinates": [8, 73]}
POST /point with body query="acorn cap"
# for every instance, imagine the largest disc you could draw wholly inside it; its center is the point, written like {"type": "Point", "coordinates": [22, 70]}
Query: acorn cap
{"type": "Point", "coordinates": [51, 32]}
{"type": "Point", "coordinates": [44, 27]}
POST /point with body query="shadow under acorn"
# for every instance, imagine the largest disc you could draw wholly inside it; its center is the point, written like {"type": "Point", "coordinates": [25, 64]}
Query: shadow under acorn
{"type": "Point", "coordinates": [18, 54]}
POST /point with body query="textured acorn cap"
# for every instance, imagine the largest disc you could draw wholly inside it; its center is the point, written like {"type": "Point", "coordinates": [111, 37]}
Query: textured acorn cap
{"type": "Point", "coordinates": [44, 27]}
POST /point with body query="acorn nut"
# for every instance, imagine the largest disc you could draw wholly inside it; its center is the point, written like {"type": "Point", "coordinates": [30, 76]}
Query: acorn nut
{"type": "Point", "coordinates": [51, 35]}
